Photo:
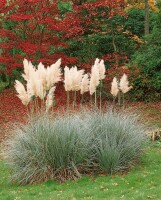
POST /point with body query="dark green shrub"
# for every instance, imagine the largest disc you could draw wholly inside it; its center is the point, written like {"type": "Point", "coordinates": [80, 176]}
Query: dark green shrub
{"type": "Point", "coordinates": [135, 21]}
{"type": "Point", "coordinates": [147, 85]}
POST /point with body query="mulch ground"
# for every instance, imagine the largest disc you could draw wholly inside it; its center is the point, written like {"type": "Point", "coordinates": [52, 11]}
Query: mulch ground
{"type": "Point", "coordinates": [12, 110]}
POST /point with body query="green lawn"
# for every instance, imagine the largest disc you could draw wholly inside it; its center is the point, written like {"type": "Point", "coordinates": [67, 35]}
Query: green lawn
{"type": "Point", "coordinates": [143, 182]}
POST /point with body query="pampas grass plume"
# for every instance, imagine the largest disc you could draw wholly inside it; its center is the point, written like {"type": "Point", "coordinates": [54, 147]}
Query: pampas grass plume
{"type": "Point", "coordinates": [28, 69]}
{"type": "Point", "coordinates": [76, 76]}
{"type": "Point", "coordinates": [67, 79]}
{"type": "Point", "coordinates": [124, 84]}
{"type": "Point", "coordinates": [50, 97]}
{"type": "Point", "coordinates": [22, 94]}
{"type": "Point", "coordinates": [114, 87]}
{"type": "Point", "coordinates": [42, 73]}
{"type": "Point", "coordinates": [84, 84]}
{"type": "Point", "coordinates": [102, 70]}
{"type": "Point", "coordinates": [94, 79]}
{"type": "Point", "coordinates": [40, 89]}
{"type": "Point", "coordinates": [33, 84]}
{"type": "Point", "coordinates": [96, 62]}
{"type": "Point", "coordinates": [53, 74]}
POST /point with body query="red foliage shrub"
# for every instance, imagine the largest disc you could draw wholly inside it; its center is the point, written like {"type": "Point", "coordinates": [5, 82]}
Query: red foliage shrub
{"type": "Point", "coordinates": [37, 30]}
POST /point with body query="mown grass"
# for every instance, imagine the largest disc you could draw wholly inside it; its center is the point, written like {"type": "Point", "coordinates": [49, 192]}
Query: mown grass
{"type": "Point", "coordinates": [142, 182]}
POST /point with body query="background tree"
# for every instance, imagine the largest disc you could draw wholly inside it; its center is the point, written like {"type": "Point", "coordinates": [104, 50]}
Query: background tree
{"type": "Point", "coordinates": [31, 29]}
{"type": "Point", "coordinates": [146, 17]}
{"type": "Point", "coordinates": [146, 64]}
{"type": "Point", "coordinates": [102, 28]}
{"type": "Point", "coordinates": [45, 30]}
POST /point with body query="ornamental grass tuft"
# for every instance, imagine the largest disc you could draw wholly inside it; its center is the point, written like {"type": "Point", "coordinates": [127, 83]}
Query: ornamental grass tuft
{"type": "Point", "coordinates": [66, 146]}
{"type": "Point", "coordinates": [118, 139]}
{"type": "Point", "coordinates": [47, 148]}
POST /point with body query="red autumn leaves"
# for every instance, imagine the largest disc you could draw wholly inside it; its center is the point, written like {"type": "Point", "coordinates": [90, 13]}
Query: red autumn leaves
{"type": "Point", "coordinates": [37, 30]}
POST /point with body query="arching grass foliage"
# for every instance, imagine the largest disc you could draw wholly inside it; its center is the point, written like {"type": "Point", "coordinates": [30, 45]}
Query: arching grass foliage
{"type": "Point", "coordinates": [64, 147]}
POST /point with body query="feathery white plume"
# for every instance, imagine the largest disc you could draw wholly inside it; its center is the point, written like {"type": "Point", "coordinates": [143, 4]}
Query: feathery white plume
{"type": "Point", "coordinates": [42, 76]}
{"type": "Point", "coordinates": [102, 70]}
{"type": "Point", "coordinates": [36, 80]}
{"type": "Point", "coordinates": [28, 69]}
{"type": "Point", "coordinates": [22, 94]}
{"type": "Point", "coordinates": [101, 66]}
{"type": "Point", "coordinates": [94, 79]}
{"type": "Point", "coordinates": [53, 74]}
{"type": "Point", "coordinates": [84, 84]}
{"type": "Point", "coordinates": [114, 87]}
{"type": "Point", "coordinates": [35, 86]}
{"type": "Point", "coordinates": [39, 81]}
{"type": "Point", "coordinates": [30, 89]}
{"type": "Point", "coordinates": [50, 97]}
{"type": "Point", "coordinates": [67, 79]}
{"type": "Point", "coordinates": [76, 77]}
{"type": "Point", "coordinates": [32, 84]}
{"type": "Point", "coordinates": [72, 78]}
{"type": "Point", "coordinates": [124, 84]}
{"type": "Point", "coordinates": [40, 89]}
{"type": "Point", "coordinates": [96, 61]}
{"type": "Point", "coordinates": [42, 73]}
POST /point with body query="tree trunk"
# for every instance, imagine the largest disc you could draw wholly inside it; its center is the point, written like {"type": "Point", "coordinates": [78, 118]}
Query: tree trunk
{"type": "Point", "coordinates": [146, 17]}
